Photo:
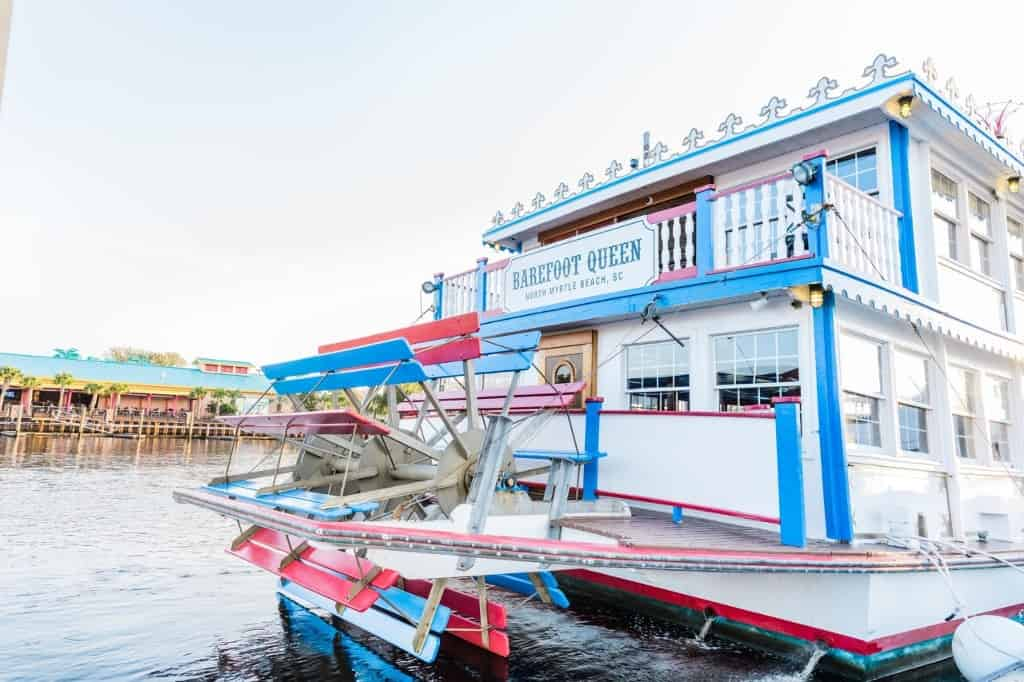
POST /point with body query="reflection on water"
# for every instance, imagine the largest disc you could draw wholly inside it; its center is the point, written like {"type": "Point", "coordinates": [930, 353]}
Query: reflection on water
{"type": "Point", "coordinates": [105, 577]}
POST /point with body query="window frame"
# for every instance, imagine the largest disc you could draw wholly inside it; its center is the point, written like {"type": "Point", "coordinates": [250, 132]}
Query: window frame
{"type": "Point", "coordinates": [718, 387]}
{"type": "Point", "coordinates": [989, 379]}
{"type": "Point", "coordinates": [969, 413]}
{"type": "Point", "coordinates": [630, 392]}
{"type": "Point", "coordinates": [898, 355]}
{"type": "Point", "coordinates": [880, 399]}
{"type": "Point", "coordinates": [975, 235]}
{"type": "Point", "coordinates": [1016, 258]}
{"type": "Point", "coordinates": [833, 162]}
{"type": "Point", "coordinates": [952, 222]}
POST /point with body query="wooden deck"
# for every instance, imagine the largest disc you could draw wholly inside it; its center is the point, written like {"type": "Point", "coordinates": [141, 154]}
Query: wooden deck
{"type": "Point", "coordinates": [652, 529]}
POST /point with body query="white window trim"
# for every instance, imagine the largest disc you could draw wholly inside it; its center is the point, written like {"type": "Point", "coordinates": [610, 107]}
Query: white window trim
{"type": "Point", "coordinates": [929, 407]}
{"type": "Point", "coordinates": [1012, 455]}
{"type": "Point", "coordinates": [888, 428]}
{"type": "Point", "coordinates": [712, 339]}
{"type": "Point", "coordinates": [858, 150]}
{"type": "Point", "coordinates": [627, 393]}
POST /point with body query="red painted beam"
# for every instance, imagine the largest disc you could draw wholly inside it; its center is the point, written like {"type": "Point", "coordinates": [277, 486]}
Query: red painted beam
{"type": "Point", "coordinates": [453, 351]}
{"type": "Point", "coordinates": [459, 325]}
{"type": "Point", "coordinates": [466, 604]}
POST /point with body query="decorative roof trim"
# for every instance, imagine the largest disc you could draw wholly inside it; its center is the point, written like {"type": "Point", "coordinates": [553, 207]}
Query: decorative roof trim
{"type": "Point", "coordinates": [879, 75]}
{"type": "Point", "coordinates": [874, 296]}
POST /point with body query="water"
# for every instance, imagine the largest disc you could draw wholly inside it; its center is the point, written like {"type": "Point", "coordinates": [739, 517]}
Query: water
{"type": "Point", "coordinates": [105, 577]}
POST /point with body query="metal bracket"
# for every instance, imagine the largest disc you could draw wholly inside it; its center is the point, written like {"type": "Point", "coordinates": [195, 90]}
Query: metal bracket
{"type": "Point", "coordinates": [427, 617]}
{"type": "Point", "coordinates": [293, 555]}
{"type": "Point", "coordinates": [243, 537]}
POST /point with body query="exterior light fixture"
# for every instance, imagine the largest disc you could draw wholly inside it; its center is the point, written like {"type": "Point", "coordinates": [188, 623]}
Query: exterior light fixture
{"type": "Point", "coordinates": [817, 296]}
{"type": "Point", "coordinates": [906, 104]}
{"type": "Point", "coordinates": [760, 303]}
{"type": "Point", "coordinates": [428, 287]}
{"type": "Point", "coordinates": [804, 173]}
{"type": "Point", "coordinates": [1013, 184]}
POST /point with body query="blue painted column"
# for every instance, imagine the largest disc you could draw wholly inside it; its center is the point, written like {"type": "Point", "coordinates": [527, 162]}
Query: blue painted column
{"type": "Point", "coordinates": [481, 284]}
{"type": "Point", "coordinates": [834, 480]}
{"type": "Point", "coordinates": [438, 297]}
{"type": "Point", "coordinates": [814, 199]}
{"type": "Point", "coordinates": [592, 445]}
{"type": "Point", "coordinates": [704, 229]}
{"type": "Point", "coordinates": [792, 520]}
{"type": "Point", "coordinates": [899, 151]}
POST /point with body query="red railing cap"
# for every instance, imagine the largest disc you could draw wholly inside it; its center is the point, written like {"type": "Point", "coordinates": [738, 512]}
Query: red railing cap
{"type": "Point", "coordinates": [595, 399]}
{"type": "Point", "coordinates": [704, 188]}
{"type": "Point", "coordinates": [815, 154]}
{"type": "Point", "coordinates": [786, 399]}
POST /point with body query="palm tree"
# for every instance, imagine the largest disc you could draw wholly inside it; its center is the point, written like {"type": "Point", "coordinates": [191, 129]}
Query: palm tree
{"type": "Point", "coordinates": [116, 390]}
{"type": "Point", "coordinates": [62, 380]}
{"type": "Point", "coordinates": [234, 395]}
{"type": "Point", "coordinates": [218, 397]}
{"type": "Point", "coordinates": [196, 395]}
{"type": "Point", "coordinates": [8, 375]}
{"type": "Point", "coordinates": [93, 390]}
{"type": "Point", "coordinates": [29, 384]}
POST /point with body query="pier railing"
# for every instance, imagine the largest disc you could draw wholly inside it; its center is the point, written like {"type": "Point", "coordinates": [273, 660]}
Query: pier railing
{"type": "Point", "coordinates": [751, 225]}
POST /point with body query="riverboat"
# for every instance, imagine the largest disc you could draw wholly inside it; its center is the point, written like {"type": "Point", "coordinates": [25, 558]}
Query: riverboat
{"type": "Point", "coordinates": [768, 383]}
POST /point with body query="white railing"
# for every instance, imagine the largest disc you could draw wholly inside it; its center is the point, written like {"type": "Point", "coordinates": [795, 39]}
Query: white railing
{"type": "Point", "coordinates": [759, 222]}
{"type": "Point", "coordinates": [459, 293]}
{"type": "Point", "coordinates": [676, 238]}
{"type": "Point", "coordinates": [864, 235]}
{"type": "Point", "coordinates": [495, 273]}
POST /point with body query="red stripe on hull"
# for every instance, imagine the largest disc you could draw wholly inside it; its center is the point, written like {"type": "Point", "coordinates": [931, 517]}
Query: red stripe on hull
{"type": "Point", "coordinates": [778, 625]}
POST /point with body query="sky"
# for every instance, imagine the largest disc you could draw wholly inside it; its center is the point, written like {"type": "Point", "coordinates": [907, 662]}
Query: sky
{"type": "Point", "coordinates": [250, 179]}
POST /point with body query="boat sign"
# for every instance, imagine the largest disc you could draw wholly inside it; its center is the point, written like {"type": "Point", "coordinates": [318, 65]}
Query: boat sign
{"type": "Point", "coordinates": [613, 259]}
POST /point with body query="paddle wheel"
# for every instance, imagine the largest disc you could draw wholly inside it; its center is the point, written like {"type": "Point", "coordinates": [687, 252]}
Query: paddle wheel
{"type": "Point", "coordinates": [435, 461]}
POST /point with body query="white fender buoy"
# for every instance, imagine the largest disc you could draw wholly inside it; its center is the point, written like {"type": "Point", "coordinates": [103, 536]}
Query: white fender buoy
{"type": "Point", "coordinates": [989, 648]}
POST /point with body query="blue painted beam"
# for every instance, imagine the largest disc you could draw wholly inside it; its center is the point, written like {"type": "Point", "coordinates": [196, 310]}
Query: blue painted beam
{"type": "Point", "coordinates": [523, 341]}
{"type": "Point", "coordinates": [438, 295]}
{"type": "Point", "coordinates": [398, 602]}
{"type": "Point", "coordinates": [375, 621]}
{"type": "Point", "coordinates": [592, 446]}
{"type": "Point", "coordinates": [407, 372]}
{"type": "Point", "coordinates": [305, 502]}
{"type": "Point", "coordinates": [834, 479]}
{"type": "Point", "coordinates": [520, 583]}
{"type": "Point", "coordinates": [899, 150]}
{"type": "Point", "coordinates": [488, 364]}
{"type": "Point", "coordinates": [790, 466]}
{"type": "Point", "coordinates": [713, 287]}
{"type": "Point", "coordinates": [393, 350]}
{"type": "Point", "coordinates": [704, 228]}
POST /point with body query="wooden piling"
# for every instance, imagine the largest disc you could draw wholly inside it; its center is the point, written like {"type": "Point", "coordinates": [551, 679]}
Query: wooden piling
{"type": "Point", "coordinates": [81, 424]}
{"type": "Point", "coordinates": [17, 428]}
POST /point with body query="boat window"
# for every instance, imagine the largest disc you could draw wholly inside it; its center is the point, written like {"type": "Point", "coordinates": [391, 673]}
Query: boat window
{"type": "Point", "coordinates": [753, 368]}
{"type": "Point", "coordinates": [859, 169]}
{"type": "Point", "coordinates": [963, 391]}
{"type": "Point", "coordinates": [914, 397]}
{"type": "Point", "coordinates": [861, 366]}
{"type": "Point", "coordinates": [997, 409]}
{"type": "Point", "coordinates": [658, 376]}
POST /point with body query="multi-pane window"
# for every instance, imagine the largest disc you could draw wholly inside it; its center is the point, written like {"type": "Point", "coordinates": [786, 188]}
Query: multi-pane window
{"type": "Point", "coordinates": [979, 220]}
{"type": "Point", "coordinates": [913, 399]}
{"type": "Point", "coordinates": [861, 366]}
{"type": "Point", "coordinates": [963, 397]}
{"type": "Point", "coordinates": [1016, 244]}
{"type": "Point", "coordinates": [658, 376]}
{"type": "Point", "coordinates": [753, 368]}
{"type": "Point", "coordinates": [997, 409]}
{"type": "Point", "coordinates": [944, 203]}
{"type": "Point", "coordinates": [860, 169]}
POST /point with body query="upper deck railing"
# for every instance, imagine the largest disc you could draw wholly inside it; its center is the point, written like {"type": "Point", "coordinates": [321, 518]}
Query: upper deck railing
{"type": "Point", "coordinates": [756, 224]}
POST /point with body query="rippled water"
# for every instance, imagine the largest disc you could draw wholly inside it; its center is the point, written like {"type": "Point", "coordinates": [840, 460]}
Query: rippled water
{"type": "Point", "coordinates": [105, 577]}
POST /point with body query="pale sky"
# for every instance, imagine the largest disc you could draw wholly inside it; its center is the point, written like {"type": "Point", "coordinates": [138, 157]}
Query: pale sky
{"type": "Point", "coordinates": [251, 179]}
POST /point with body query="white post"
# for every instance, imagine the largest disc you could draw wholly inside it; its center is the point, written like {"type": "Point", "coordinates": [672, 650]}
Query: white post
{"type": "Point", "coordinates": [942, 425]}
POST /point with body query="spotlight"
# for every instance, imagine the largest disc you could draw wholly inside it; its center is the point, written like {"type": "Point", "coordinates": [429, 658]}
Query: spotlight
{"type": "Point", "coordinates": [804, 173]}
{"type": "Point", "coordinates": [906, 104]}
{"type": "Point", "coordinates": [817, 296]}
{"type": "Point", "coordinates": [1013, 184]}
{"type": "Point", "coordinates": [759, 303]}
{"type": "Point", "coordinates": [428, 287]}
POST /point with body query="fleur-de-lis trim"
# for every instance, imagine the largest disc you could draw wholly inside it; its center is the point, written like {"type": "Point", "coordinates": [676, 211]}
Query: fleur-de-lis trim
{"type": "Point", "coordinates": [729, 125]}
{"type": "Point", "coordinates": [771, 110]}
{"type": "Point", "coordinates": [928, 69]}
{"type": "Point", "coordinates": [819, 93]}
{"type": "Point", "coordinates": [561, 192]}
{"type": "Point", "coordinates": [517, 210]}
{"type": "Point", "coordinates": [585, 182]}
{"type": "Point", "coordinates": [538, 201]}
{"type": "Point", "coordinates": [952, 91]}
{"type": "Point", "coordinates": [498, 219]}
{"type": "Point", "coordinates": [876, 71]}
{"type": "Point", "coordinates": [692, 140]}
{"type": "Point", "coordinates": [613, 169]}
